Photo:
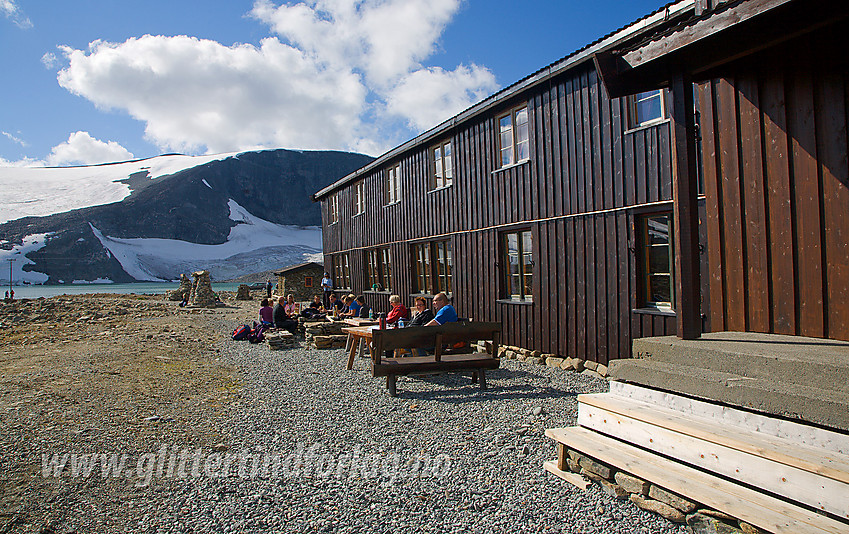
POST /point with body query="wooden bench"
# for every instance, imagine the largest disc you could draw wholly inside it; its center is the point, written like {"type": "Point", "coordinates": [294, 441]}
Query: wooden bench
{"type": "Point", "coordinates": [443, 360]}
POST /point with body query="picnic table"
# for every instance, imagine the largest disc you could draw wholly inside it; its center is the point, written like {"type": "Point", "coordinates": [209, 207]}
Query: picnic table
{"type": "Point", "coordinates": [358, 337]}
{"type": "Point", "coordinates": [360, 321]}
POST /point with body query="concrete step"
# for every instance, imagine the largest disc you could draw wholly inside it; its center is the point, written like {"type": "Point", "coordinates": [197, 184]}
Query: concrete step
{"type": "Point", "coordinates": [828, 407]}
{"type": "Point", "coordinates": [810, 362]}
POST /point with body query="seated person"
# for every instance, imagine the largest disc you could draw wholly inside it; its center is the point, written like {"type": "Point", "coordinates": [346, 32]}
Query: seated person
{"type": "Point", "coordinates": [445, 312]}
{"type": "Point", "coordinates": [423, 314]}
{"type": "Point", "coordinates": [336, 304]}
{"type": "Point", "coordinates": [315, 310]}
{"type": "Point", "coordinates": [292, 307]}
{"type": "Point", "coordinates": [354, 306]}
{"type": "Point", "coordinates": [398, 311]}
{"type": "Point", "coordinates": [364, 309]}
{"type": "Point", "coordinates": [346, 311]}
{"type": "Point", "coordinates": [266, 313]}
{"type": "Point", "coordinates": [282, 319]}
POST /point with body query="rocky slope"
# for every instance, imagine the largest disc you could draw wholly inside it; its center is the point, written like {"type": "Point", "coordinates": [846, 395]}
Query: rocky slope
{"type": "Point", "coordinates": [194, 205]}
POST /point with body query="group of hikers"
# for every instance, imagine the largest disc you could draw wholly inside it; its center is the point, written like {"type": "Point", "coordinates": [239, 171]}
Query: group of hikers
{"type": "Point", "coordinates": [285, 312]}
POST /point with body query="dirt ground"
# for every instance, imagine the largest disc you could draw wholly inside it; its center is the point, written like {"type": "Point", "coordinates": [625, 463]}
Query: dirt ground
{"type": "Point", "coordinates": [102, 373]}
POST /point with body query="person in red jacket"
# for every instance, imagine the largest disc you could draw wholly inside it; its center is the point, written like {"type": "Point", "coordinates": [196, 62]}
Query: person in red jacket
{"type": "Point", "coordinates": [398, 311]}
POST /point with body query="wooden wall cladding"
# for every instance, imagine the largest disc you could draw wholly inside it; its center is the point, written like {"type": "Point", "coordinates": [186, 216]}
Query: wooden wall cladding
{"type": "Point", "coordinates": [777, 183]}
{"type": "Point", "coordinates": [578, 193]}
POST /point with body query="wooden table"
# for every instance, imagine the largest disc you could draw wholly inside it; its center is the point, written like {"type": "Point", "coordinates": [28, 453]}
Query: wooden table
{"type": "Point", "coordinates": [360, 321]}
{"type": "Point", "coordinates": [357, 336]}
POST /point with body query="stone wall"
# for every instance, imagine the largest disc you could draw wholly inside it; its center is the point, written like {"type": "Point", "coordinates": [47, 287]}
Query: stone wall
{"type": "Point", "coordinates": [295, 283]}
{"type": "Point", "coordinates": [535, 357]}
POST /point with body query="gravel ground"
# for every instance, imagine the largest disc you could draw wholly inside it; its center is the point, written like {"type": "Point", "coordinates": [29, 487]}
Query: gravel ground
{"type": "Point", "coordinates": [225, 436]}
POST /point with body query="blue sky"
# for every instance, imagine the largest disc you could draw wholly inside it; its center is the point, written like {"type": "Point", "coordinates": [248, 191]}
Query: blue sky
{"type": "Point", "coordinates": [92, 81]}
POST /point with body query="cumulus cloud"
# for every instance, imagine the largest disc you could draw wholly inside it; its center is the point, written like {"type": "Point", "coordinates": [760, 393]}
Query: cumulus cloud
{"type": "Point", "coordinates": [82, 148]}
{"type": "Point", "coordinates": [339, 74]}
{"type": "Point", "coordinates": [14, 13]}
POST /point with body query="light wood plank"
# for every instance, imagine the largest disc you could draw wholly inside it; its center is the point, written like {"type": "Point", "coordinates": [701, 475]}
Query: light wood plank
{"type": "Point", "coordinates": [573, 478]}
{"type": "Point", "coordinates": [743, 503]}
{"type": "Point", "coordinates": [751, 468]}
{"type": "Point", "coordinates": [831, 465]}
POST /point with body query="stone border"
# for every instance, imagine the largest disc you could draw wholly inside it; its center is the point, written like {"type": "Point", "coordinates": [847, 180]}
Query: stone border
{"type": "Point", "coordinates": [535, 357]}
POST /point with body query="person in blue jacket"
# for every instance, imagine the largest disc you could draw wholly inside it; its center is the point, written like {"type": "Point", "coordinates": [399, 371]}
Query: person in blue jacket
{"type": "Point", "coordinates": [445, 312]}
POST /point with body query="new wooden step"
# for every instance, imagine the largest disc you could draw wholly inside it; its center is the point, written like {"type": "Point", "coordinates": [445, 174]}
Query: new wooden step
{"type": "Point", "coordinates": [761, 510]}
{"type": "Point", "coordinates": [802, 474]}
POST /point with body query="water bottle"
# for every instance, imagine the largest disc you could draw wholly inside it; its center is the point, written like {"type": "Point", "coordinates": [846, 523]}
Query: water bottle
{"type": "Point", "coordinates": [371, 314]}
{"type": "Point", "coordinates": [400, 323]}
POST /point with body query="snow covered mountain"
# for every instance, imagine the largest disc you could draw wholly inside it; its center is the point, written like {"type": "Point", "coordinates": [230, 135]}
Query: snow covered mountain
{"type": "Point", "coordinates": [154, 219]}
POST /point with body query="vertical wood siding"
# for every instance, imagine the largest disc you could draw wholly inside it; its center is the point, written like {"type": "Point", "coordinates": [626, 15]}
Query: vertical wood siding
{"type": "Point", "coordinates": [777, 183]}
{"type": "Point", "coordinates": [586, 171]}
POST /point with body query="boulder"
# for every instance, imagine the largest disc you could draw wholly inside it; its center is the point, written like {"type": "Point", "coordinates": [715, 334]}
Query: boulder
{"type": "Point", "coordinates": [243, 292]}
{"type": "Point", "coordinates": [658, 507]}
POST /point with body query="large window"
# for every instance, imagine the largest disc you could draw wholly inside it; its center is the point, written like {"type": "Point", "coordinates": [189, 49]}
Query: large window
{"type": "Point", "coordinates": [432, 267]}
{"type": "Point", "coordinates": [359, 197]}
{"type": "Point", "coordinates": [379, 269]}
{"type": "Point", "coordinates": [513, 140]}
{"type": "Point", "coordinates": [519, 265]}
{"type": "Point", "coordinates": [656, 282]}
{"type": "Point", "coordinates": [393, 184]}
{"type": "Point", "coordinates": [341, 272]}
{"type": "Point", "coordinates": [646, 108]}
{"type": "Point", "coordinates": [333, 208]}
{"type": "Point", "coordinates": [443, 167]}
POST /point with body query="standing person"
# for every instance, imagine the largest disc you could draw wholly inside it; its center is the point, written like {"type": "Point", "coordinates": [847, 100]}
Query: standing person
{"type": "Point", "coordinates": [327, 286]}
{"type": "Point", "coordinates": [12, 294]}
{"type": "Point", "coordinates": [7, 295]}
{"type": "Point", "coordinates": [398, 311]}
{"type": "Point", "coordinates": [268, 289]}
{"type": "Point", "coordinates": [445, 312]}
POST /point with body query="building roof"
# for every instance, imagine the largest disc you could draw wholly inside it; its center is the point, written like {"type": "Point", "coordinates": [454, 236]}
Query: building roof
{"type": "Point", "coordinates": [641, 27]}
{"type": "Point", "coordinates": [298, 267]}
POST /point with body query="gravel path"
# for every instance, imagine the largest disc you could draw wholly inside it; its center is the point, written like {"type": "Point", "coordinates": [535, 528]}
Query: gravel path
{"type": "Point", "coordinates": [441, 457]}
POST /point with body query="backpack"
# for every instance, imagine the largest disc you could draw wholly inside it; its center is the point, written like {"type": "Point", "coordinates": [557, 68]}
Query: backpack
{"type": "Point", "coordinates": [241, 332]}
{"type": "Point", "coordinates": [256, 335]}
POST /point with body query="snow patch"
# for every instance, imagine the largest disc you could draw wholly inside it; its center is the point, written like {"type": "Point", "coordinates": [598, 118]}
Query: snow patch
{"type": "Point", "coordinates": [40, 191]}
{"type": "Point", "coordinates": [206, 183]}
{"type": "Point", "coordinates": [30, 243]}
{"type": "Point", "coordinates": [95, 281]}
{"type": "Point", "coordinates": [253, 245]}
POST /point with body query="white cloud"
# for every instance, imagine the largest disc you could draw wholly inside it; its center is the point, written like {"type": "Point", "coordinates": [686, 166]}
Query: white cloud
{"type": "Point", "coordinates": [426, 97]}
{"type": "Point", "coordinates": [339, 76]}
{"type": "Point", "coordinates": [14, 13]}
{"type": "Point", "coordinates": [49, 60]}
{"type": "Point", "coordinates": [82, 148]}
{"type": "Point", "coordinates": [14, 139]}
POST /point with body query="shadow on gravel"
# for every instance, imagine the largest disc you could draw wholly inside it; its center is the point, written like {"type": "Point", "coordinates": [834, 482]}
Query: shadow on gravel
{"type": "Point", "coordinates": [459, 389]}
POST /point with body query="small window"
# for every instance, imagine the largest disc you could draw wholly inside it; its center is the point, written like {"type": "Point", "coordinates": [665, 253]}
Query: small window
{"type": "Point", "coordinates": [646, 108]}
{"type": "Point", "coordinates": [393, 184]}
{"type": "Point", "coordinates": [308, 281]}
{"type": "Point", "coordinates": [518, 266]}
{"type": "Point", "coordinates": [333, 206]}
{"type": "Point", "coordinates": [656, 257]}
{"type": "Point", "coordinates": [443, 167]}
{"type": "Point", "coordinates": [341, 272]}
{"type": "Point", "coordinates": [360, 197]}
{"type": "Point", "coordinates": [378, 269]}
{"type": "Point", "coordinates": [513, 140]}
{"type": "Point", "coordinates": [432, 267]}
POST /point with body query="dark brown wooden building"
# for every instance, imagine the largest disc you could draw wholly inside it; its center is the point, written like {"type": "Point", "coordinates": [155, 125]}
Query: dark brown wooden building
{"type": "Point", "coordinates": [686, 173]}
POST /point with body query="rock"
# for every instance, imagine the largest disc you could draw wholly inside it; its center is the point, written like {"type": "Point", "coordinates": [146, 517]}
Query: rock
{"type": "Point", "coordinates": [589, 364]}
{"type": "Point", "coordinates": [574, 466]}
{"type": "Point", "coordinates": [566, 365]}
{"type": "Point", "coordinates": [202, 294]}
{"type": "Point", "coordinates": [601, 369]}
{"type": "Point", "coordinates": [525, 450]}
{"type": "Point", "coordinates": [704, 524]}
{"type": "Point", "coordinates": [577, 364]}
{"type": "Point", "coordinates": [676, 501]}
{"type": "Point", "coordinates": [717, 514]}
{"type": "Point", "coordinates": [614, 490]}
{"type": "Point", "coordinates": [658, 507]}
{"type": "Point", "coordinates": [537, 411]}
{"type": "Point", "coordinates": [590, 372]}
{"type": "Point", "coordinates": [594, 467]}
{"type": "Point", "coordinates": [632, 484]}
{"type": "Point", "coordinates": [553, 362]}
{"type": "Point", "coordinates": [243, 292]}
{"type": "Point", "coordinates": [751, 529]}
{"type": "Point", "coordinates": [220, 447]}
{"type": "Point", "coordinates": [535, 354]}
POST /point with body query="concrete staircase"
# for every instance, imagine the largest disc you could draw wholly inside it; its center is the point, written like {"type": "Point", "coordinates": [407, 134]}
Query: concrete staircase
{"type": "Point", "coordinates": [726, 423]}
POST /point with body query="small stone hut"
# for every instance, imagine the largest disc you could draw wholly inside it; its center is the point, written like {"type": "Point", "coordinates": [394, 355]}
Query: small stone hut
{"type": "Point", "coordinates": [302, 280]}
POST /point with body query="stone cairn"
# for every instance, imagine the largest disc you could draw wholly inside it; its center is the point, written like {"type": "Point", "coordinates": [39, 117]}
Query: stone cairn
{"type": "Point", "coordinates": [202, 295]}
{"type": "Point", "coordinates": [243, 292]}
{"type": "Point", "coordinates": [281, 340]}
{"type": "Point", "coordinates": [324, 334]}
{"type": "Point", "coordinates": [185, 290]}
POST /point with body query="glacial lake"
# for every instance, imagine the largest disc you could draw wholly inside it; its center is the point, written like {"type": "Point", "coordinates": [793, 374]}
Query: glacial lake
{"type": "Point", "coordinates": [139, 288]}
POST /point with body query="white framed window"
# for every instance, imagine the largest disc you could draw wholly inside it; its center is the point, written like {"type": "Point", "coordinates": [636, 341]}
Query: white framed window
{"type": "Point", "coordinates": [443, 166]}
{"type": "Point", "coordinates": [656, 284]}
{"type": "Point", "coordinates": [360, 197]}
{"type": "Point", "coordinates": [393, 184]}
{"type": "Point", "coordinates": [333, 208]}
{"type": "Point", "coordinates": [513, 142]}
{"type": "Point", "coordinates": [646, 108]}
{"type": "Point", "coordinates": [518, 258]}
{"type": "Point", "coordinates": [379, 269]}
{"type": "Point", "coordinates": [341, 272]}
